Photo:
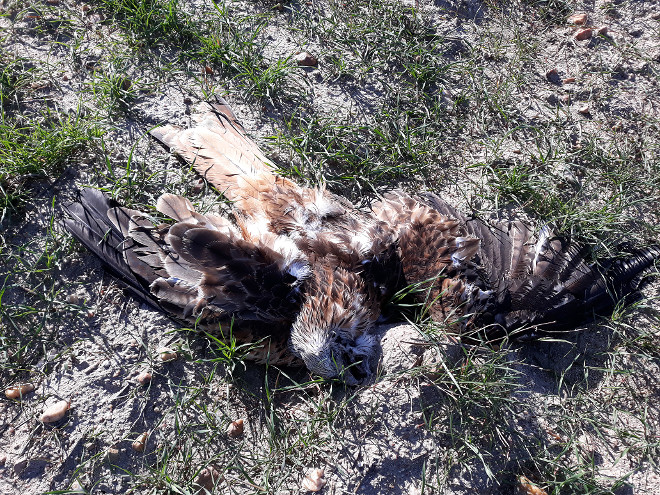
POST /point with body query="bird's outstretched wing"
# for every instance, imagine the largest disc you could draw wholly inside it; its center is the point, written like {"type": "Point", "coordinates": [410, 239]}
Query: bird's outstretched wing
{"type": "Point", "coordinates": [197, 269]}
{"type": "Point", "coordinates": [220, 151]}
{"type": "Point", "coordinates": [264, 202]}
{"type": "Point", "coordinates": [501, 276]}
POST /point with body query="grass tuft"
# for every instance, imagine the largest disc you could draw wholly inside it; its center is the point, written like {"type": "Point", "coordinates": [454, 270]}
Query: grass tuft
{"type": "Point", "coordinates": [35, 148]}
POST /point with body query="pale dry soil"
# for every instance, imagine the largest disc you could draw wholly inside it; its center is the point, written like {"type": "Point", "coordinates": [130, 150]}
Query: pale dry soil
{"type": "Point", "coordinates": [394, 436]}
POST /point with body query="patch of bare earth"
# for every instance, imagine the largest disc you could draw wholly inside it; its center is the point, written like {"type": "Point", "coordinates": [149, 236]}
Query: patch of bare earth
{"type": "Point", "coordinates": [492, 91]}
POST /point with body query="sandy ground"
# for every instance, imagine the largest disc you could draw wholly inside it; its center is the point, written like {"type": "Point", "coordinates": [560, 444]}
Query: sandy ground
{"type": "Point", "coordinates": [374, 440]}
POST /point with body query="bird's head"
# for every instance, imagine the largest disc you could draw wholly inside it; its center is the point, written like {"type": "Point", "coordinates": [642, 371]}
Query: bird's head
{"type": "Point", "coordinates": [334, 341]}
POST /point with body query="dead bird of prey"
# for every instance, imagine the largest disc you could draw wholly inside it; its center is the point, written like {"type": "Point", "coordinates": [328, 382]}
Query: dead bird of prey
{"type": "Point", "coordinates": [310, 272]}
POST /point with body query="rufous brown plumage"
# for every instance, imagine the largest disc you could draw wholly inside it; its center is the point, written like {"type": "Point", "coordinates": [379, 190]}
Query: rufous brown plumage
{"type": "Point", "coordinates": [307, 274]}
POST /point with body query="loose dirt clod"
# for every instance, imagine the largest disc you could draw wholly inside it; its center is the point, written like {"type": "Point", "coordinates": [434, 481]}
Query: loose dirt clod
{"type": "Point", "coordinates": [55, 412]}
{"type": "Point", "coordinates": [235, 428]}
{"type": "Point", "coordinates": [314, 481]}
{"type": "Point", "coordinates": [18, 391]}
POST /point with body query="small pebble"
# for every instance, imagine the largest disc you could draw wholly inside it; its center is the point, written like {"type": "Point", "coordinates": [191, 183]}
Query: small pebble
{"type": "Point", "coordinates": [140, 443]}
{"type": "Point", "coordinates": [18, 391]}
{"type": "Point", "coordinates": [235, 428]}
{"type": "Point", "coordinates": [306, 59]}
{"type": "Point", "coordinates": [207, 478]}
{"type": "Point", "coordinates": [579, 19]}
{"type": "Point", "coordinates": [568, 80]}
{"type": "Point", "coordinates": [20, 466]}
{"type": "Point", "coordinates": [144, 378]}
{"type": "Point", "coordinates": [198, 186]}
{"type": "Point", "coordinates": [552, 74]}
{"type": "Point", "coordinates": [583, 34]}
{"type": "Point", "coordinates": [602, 31]}
{"type": "Point", "coordinates": [526, 487]}
{"type": "Point", "coordinates": [584, 110]}
{"type": "Point", "coordinates": [314, 481]}
{"type": "Point", "coordinates": [167, 355]}
{"type": "Point", "coordinates": [112, 454]}
{"type": "Point", "coordinates": [72, 298]}
{"type": "Point", "coordinates": [55, 412]}
{"type": "Point", "coordinates": [76, 487]}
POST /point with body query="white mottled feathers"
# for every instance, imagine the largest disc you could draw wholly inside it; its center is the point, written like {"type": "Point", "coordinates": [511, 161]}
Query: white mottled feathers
{"type": "Point", "coordinates": [323, 238]}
